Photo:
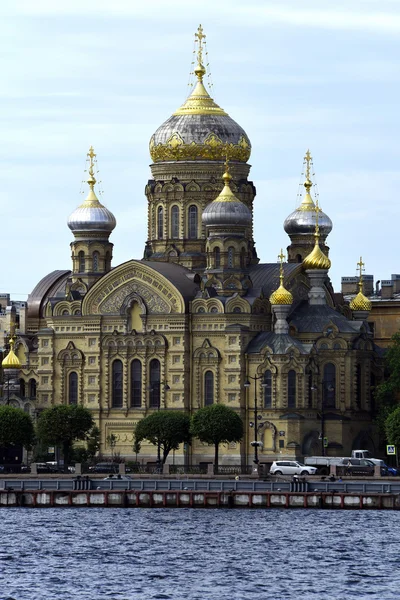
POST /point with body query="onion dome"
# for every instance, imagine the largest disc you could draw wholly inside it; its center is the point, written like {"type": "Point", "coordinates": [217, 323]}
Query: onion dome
{"type": "Point", "coordinates": [226, 209]}
{"type": "Point", "coordinates": [11, 361]}
{"type": "Point", "coordinates": [302, 220]}
{"type": "Point", "coordinates": [281, 296]}
{"type": "Point", "coordinates": [200, 129]}
{"type": "Point", "coordinates": [91, 215]}
{"type": "Point", "coordinates": [360, 302]}
{"type": "Point", "coordinates": [317, 259]}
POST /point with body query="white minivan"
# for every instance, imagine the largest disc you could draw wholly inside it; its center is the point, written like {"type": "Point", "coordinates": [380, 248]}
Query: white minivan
{"type": "Point", "coordinates": [291, 467]}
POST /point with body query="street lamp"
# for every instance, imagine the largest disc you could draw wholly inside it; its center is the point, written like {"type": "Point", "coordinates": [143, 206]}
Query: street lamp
{"type": "Point", "coordinates": [328, 387]}
{"type": "Point", "coordinates": [257, 426]}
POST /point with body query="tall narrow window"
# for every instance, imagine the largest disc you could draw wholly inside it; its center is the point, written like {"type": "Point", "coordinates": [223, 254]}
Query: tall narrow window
{"type": "Point", "coordinates": [217, 257]}
{"type": "Point", "coordinates": [81, 261]}
{"type": "Point", "coordinates": [242, 258]}
{"type": "Point", "coordinates": [136, 383]}
{"type": "Point", "coordinates": [175, 222]}
{"type": "Point", "coordinates": [73, 388]}
{"type": "Point", "coordinates": [155, 376]}
{"type": "Point", "coordinates": [208, 388]}
{"type": "Point", "coordinates": [160, 223]}
{"type": "Point", "coordinates": [192, 229]}
{"type": "Point", "coordinates": [108, 261]}
{"type": "Point", "coordinates": [117, 384]}
{"type": "Point", "coordinates": [372, 392]}
{"type": "Point", "coordinates": [267, 384]}
{"type": "Point", "coordinates": [329, 385]}
{"type": "Point", "coordinates": [32, 388]}
{"type": "Point", "coordinates": [95, 265]}
{"type": "Point", "coordinates": [292, 389]}
{"type": "Point", "coordinates": [22, 388]}
{"type": "Point", "coordinates": [231, 257]}
{"type": "Point", "coordinates": [358, 390]}
{"type": "Point", "coordinates": [310, 388]}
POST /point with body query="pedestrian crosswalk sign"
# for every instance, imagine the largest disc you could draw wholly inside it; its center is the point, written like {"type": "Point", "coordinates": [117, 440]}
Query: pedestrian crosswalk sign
{"type": "Point", "coordinates": [390, 450]}
{"type": "Point", "coordinates": [325, 442]}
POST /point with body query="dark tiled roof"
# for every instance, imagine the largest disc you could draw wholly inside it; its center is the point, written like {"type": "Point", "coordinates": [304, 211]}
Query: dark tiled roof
{"type": "Point", "coordinates": [279, 343]}
{"type": "Point", "coordinates": [266, 276]}
{"type": "Point", "coordinates": [50, 285]}
{"type": "Point", "coordinates": [314, 319]}
{"type": "Point", "coordinates": [179, 276]}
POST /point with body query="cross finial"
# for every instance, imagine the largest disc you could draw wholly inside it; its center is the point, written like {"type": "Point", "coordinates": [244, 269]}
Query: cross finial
{"type": "Point", "coordinates": [227, 177]}
{"type": "Point", "coordinates": [91, 154]}
{"type": "Point", "coordinates": [200, 37]}
{"type": "Point", "coordinates": [308, 159]}
{"type": "Point", "coordinates": [281, 258]}
{"type": "Point", "coordinates": [360, 267]}
{"type": "Point", "coordinates": [317, 211]}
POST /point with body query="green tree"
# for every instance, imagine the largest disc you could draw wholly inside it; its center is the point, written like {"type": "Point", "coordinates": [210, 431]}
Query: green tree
{"type": "Point", "coordinates": [93, 442]}
{"type": "Point", "coordinates": [62, 425]}
{"type": "Point", "coordinates": [217, 424]}
{"type": "Point", "coordinates": [111, 441]}
{"type": "Point", "coordinates": [392, 427]}
{"type": "Point", "coordinates": [136, 448]}
{"type": "Point", "coordinates": [16, 428]}
{"type": "Point", "coordinates": [387, 393]}
{"type": "Point", "coordinates": [165, 429]}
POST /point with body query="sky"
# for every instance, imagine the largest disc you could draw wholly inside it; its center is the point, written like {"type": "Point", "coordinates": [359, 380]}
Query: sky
{"type": "Point", "coordinates": [294, 75]}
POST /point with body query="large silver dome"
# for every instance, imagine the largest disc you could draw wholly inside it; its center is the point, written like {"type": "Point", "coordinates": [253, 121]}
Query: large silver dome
{"type": "Point", "coordinates": [92, 216]}
{"type": "Point", "coordinates": [302, 222]}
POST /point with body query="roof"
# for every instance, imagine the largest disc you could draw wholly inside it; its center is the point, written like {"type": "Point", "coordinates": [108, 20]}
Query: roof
{"type": "Point", "coordinates": [314, 319]}
{"type": "Point", "coordinates": [280, 343]}
{"type": "Point", "coordinates": [49, 286]}
{"type": "Point", "coordinates": [180, 277]}
{"type": "Point", "coordinates": [266, 276]}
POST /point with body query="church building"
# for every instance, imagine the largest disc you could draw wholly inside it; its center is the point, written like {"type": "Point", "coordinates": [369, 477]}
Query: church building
{"type": "Point", "coordinates": [200, 319]}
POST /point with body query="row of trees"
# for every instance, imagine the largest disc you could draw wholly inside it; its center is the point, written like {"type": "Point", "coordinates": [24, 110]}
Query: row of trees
{"type": "Point", "coordinates": [388, 394]}
{"type": "Point", "coordinates": [63, 425]}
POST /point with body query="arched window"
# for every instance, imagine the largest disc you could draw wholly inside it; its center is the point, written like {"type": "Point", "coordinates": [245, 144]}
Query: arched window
{"type": "Point", "coordinates": [81, 261]}
{"type": "Point", "coordinates": [155, 376]}
{"type": "Point", "coordinates": [175, 222]}
{"type": "Point", "coordinates": [160, 223]}
{"type": "Point", "coordinates": [208, 388]}
{"type": "Point", "coordinates": [108, 261]}
{"type": "Point", "coordinates": [359, 384]}
{"type": "Point", "coordinates": [192, 225]}
{"type": "Point", "coordinates": [136, 383]}
{"type": "Point", "coordinates": [22, 388]}
{"type": "Point", "coordinates": [117, 384]}
{"type": "Point", "coordinates": [217, 257]}
{"type": "Point", "coordinates": [243, 258]}
{"type": "Point", "coordinates": [73, 388]}
{"type": "Point", "coordinates": [267, 384]}
{"type": "Point", "coordinates": [95, 264]}
{"type": "Point", "coordinates": [329, 391]}
{"type": "Point", "coordinates": [292, 389]}
{"type": "Point", "coordinates": [231, 257]}
{"type": "Point", "coordinates": [32, 388]}
{"type": "Point", "coordinates": [298, 258]}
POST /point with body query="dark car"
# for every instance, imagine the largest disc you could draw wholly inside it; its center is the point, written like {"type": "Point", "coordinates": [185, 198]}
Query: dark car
{"type": "Point", "coordinates": [358, 466]}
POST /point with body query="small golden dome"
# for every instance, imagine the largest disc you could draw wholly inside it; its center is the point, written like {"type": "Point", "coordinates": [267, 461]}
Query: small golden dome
{"type": "Point", "coordinates": [11, 361]}
{"type": "Point", "coordinates": [281, 296]}
{"type": "Point", "coordinates": [360, 302]}
{"type": "Point", "coordinates": [317, 259]}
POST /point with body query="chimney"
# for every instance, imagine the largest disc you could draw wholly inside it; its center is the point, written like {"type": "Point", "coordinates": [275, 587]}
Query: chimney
{"type": "Point", "coordinates": [349, 285]}
{"type": "Point", "coordinates": [387, 289]}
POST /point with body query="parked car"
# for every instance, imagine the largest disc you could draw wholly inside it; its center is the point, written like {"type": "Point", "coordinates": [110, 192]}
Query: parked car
{"type": "Point", "coordinates": [360, 466]}
{"type": "Point", "coordinates": [118, 478]}
{"type": "Point", "coordinates": [291, 467]}
{"type": "Point", "coordinates": [45, 468]}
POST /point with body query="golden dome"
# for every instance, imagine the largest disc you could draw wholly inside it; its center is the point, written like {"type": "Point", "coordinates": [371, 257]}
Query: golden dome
{"type": "Point", "coordinates": [11, 361]}
{"type": "Point", "coordinates": [360, 302]}
{"type": "Point", "coordinates": [200, 129]}
{"type": "Point", "coordinates": [281, 296]}
{"type": "Point", "coordinates": [317, 259]}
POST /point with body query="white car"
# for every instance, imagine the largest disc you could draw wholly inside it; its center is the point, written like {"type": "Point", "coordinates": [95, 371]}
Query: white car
{"type": "Point", "coordinates": [291, 467]}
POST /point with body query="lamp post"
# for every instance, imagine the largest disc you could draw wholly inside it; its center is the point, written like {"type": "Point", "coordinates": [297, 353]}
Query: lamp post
{"type": "Point", "coordinates": [326, 386]}
{"type": "Point", "coordinates": [257, 426]}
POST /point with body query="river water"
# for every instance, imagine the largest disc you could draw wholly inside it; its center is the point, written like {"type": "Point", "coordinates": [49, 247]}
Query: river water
{"type": "Point", "coordinates": [198, 554]}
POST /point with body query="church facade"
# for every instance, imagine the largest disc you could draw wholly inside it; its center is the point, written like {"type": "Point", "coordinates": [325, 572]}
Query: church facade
{"type": "Point", "coordinates": [200, 320]}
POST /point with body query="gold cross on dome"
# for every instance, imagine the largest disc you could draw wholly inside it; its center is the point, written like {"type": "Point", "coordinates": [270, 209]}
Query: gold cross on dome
{"type": "Point", "coordinates": [91, 153]}
{"type": "Point", "coordinates": [281, 257]}
{"type": "Point", "coordinates": [360, 266]}
{"type": "Point", "coordinates": [200, 37]}
{"type": "Point", "coordinates": [308, 159]}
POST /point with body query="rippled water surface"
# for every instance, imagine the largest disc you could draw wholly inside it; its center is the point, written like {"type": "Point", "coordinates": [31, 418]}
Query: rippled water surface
{"type": "Point", "coordinates": [194, 554]}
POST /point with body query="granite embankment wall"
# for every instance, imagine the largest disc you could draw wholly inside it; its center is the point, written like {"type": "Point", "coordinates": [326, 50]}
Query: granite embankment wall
{"type": "Point", "coordinates": [192, 499]}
